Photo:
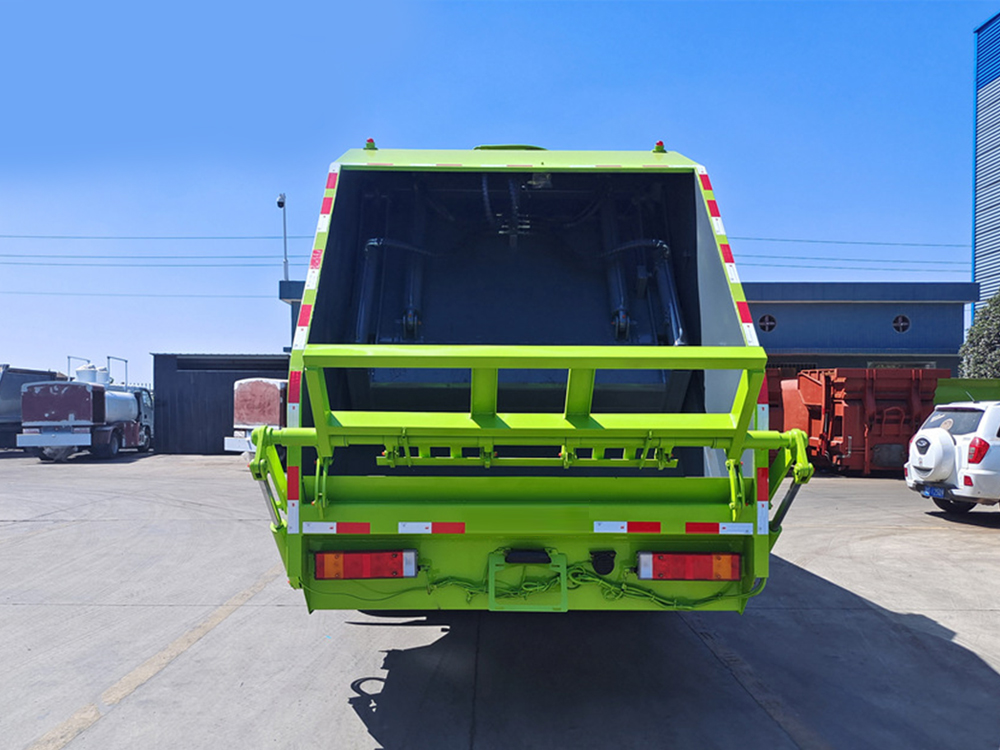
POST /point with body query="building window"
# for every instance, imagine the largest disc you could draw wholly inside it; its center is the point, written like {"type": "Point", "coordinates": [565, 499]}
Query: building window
{"type": "Point", "coordinates": [767, 323]}
{"type": "Point", "coordinates": [901, 324]}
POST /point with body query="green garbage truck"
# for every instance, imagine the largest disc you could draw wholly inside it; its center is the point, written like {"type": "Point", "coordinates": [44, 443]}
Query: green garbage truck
{"type": "Point", "coordinates": [524, 380]}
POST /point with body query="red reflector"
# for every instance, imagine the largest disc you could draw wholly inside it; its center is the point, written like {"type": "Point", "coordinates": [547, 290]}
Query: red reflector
{"type": "Point", "coordinates": [713, 208]}
{"type": "Point", "coordinates": [977, 450]}
{"type": "Point", "coordinates": [359, 565]}
{"type": "Point", "coordinates": [744, 309]}
{"type": "Point", "coordinates": [643, 527]}
{"type": "Point", "coordinates": [331, 181]}
{"type": "Point", "coordinates": [727, 253]}
{"type": "Point", "coordinates": [353, 528]}
{"type": "Point", "coordinates": [693, 527]}
{"type": "Point", "coordinates": [706, 184]}
{"type": "Point", "coordinates": [295, 386]}
{"type": "Point", "coordinates": [683, 566]}
{"type": "Point", "coordinates": [448, 527]}
{"type": "Point", "coordinates": [967, 481]}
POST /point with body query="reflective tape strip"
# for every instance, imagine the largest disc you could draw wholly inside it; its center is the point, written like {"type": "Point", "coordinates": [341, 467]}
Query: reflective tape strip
{"type": "Point", "coordinates": [431, 527]}
{"type": "Point", "coordinates": [327, 205]}
{"type": "Point", "coordinates": [745, 529]}
{"type": "Point", "coordinates": [763, 493]}
{"type": "Point", "coordinates": [301, 334]}
{"type": "Point", "coordinates": [700, 169]}
{"type": "Point", "coordinates": [610, 527]}
{"type": "Point", "coordinates": [626, 527]}
{"type": "Point", "coordinates": [317, 258]}
{"type": "Point", "coordinates": [295, 386]}
{"type": "Point", "coordinates": [706, 184]}
{"type": "Point", "coordinates": [727, 252]}
{"type": "Point", "coordinates": [293, 499]}
{"type": "Point", "coordinates": [331, 180]}
{"type": "Point", "coordinates": [734, 277]}
{"type": "Point", "coordinates": [718, 226]}
{"type": "Point", "coordinates": [744, 309]}
{"type": "Point", "coordinates": [763, 417]}
{"type": "Point", "coordinates": [305, 313]}
{"type": "Point", "coordinates": [293, 418]}
{"type": "Point", "coordinates": [750, 334]}
{"type": "Point", "coordinates": [312, 278]}
{"type": "Point", "coordinates": [340, 527]}
{"type": "Point", "coordinates": [314, 527]}
{"type": "Point", "coordinates": [323, 224]}
{"type": "Point", "coordinates": [713, 208]}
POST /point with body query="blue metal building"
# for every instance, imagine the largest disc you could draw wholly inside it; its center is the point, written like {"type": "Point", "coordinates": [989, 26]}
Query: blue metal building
{"type": "Point", "coordinates": [809, 325]}
{"type": "Point", "coordinates": [986, 201]}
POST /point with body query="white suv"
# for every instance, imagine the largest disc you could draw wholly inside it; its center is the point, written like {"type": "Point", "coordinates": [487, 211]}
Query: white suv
{"type": "Point", "coordinates": [955, 456]}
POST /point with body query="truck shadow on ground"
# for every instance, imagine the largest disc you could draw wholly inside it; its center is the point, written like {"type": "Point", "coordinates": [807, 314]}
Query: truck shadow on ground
{"type": "Point", "coordinates": [811, 665]}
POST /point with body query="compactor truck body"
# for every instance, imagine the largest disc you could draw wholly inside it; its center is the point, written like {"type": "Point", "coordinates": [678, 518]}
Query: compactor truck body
{"type": "Point", "coordinates": [523, 380]}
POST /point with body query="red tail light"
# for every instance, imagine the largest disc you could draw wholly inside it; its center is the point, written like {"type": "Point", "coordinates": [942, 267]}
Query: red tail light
{"type": "Point", "coordinates": [673, 566]}
{"type": "Point", "coordinates": [340, 566]}
{"type": "Point", "coordinates": [977, 450]}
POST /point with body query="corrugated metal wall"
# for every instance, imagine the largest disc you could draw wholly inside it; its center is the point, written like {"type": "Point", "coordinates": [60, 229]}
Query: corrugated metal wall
{"type": "Point", "coordinates": [987, 184]}
{"type": "Point", "coordinates": [194, 397]}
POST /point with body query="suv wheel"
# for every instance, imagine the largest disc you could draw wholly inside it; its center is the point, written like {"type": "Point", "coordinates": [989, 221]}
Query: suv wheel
{"type": "Point", "coordinates": [954, 506]}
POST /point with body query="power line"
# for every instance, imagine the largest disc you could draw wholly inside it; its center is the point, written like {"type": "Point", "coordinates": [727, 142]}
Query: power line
{"type": "Point", "coordinates": [855, 260]}
{"type": "Point", "coordinates": [309, 236]}
{"type": "Point", "coordinates": [848, 268]}
{"type": "Point", "coordinates": [115, 294]}
{"type": "Point", "coordinates": [147, 257]}
{"type": "Point", "coordinates": [148, 265]}
{"type": "Point", "coordinates": [847, 242]}
{"type": "Point", "coordinates": [177, 237]}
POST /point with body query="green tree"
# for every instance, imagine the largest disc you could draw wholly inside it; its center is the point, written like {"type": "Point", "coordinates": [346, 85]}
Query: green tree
{"type": "Point", "coordinates": [981, 351]}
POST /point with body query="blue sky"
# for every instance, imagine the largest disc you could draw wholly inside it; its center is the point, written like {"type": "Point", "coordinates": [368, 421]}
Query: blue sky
{"type": "Point", "coordinates": [848, 121]}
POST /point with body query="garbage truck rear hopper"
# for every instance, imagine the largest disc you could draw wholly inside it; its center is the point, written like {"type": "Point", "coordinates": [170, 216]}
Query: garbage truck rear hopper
{"type": "Point", "coordinates": [524, 380]}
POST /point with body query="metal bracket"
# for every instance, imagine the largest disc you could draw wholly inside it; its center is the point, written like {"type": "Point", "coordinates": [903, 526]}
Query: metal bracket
{"type": "Point", "coordinates": [557, 564]}
{"type": "Point", "coordinates": [737, 500]}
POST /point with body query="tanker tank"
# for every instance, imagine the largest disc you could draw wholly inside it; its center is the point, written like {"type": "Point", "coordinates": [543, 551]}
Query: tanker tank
{"type": "Point", "coordinates": [120, 407]}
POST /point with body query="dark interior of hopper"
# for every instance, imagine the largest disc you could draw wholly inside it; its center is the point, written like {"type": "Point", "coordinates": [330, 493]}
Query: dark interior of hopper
{"type": "Point", "coordinates": [500, 258]}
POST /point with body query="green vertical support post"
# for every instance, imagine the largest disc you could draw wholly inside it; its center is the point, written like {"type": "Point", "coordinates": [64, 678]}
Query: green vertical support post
{"type": "Point", "coordinates": [318, 399]}
{"type": "Point", "coordinates": [744, 407]}
{"type": "Point", "coordinates": [484, 392]}
{"type": "Point", "coordinates": [579, 392]}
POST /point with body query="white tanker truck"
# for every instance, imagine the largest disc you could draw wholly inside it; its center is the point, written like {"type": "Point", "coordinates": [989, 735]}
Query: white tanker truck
{"type": "Point", "coordinates": [60, 418]}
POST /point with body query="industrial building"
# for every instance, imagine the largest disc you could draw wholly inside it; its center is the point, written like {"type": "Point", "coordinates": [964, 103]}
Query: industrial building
{"type": "Point", "coordinates": [986, 197]}
{"type": "Point", "coordinates": [809, 325]}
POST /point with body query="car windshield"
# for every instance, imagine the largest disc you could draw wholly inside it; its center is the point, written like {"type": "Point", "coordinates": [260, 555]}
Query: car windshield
{"type": "Point", "coordinates": [955, 421]}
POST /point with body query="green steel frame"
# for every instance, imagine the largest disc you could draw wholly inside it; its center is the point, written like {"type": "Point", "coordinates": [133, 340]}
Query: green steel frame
{"type": "Point", "coordinates": [542, 512]}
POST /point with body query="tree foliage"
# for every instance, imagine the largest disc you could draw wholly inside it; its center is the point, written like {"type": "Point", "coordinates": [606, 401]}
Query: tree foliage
{"type": "Point", "coordinates": [981, 351]}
